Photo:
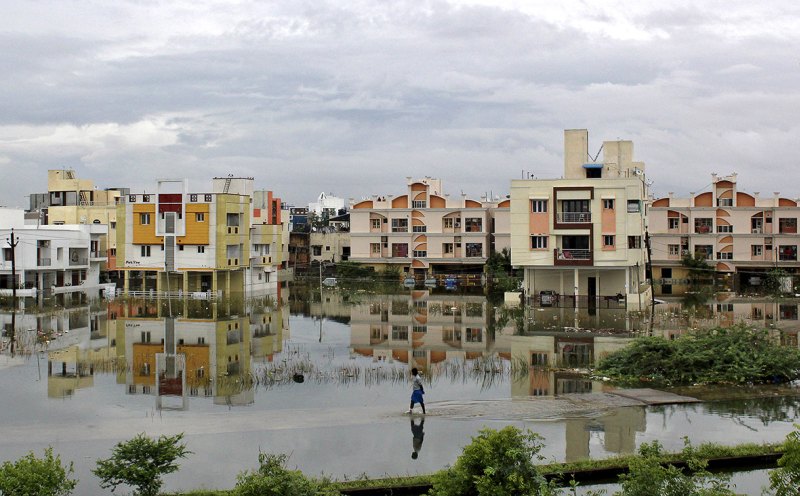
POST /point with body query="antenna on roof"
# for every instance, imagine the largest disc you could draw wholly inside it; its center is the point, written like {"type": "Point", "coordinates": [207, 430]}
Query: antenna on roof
{"type": "Point", "coordinates": [594, 159]}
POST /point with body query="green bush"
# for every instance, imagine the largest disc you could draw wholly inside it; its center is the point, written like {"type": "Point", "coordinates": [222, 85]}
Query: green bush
{"type": "Point", "coordinates": [647, 476]}
{"type": "Point", "coordinates": [785, 480]}
{"type": "Point", "coordinates": [141, 462]}
{"type": "Point", "coordinates": [736, 355]}
{"type": "Point", "coordinates": [272, 478]}
{"type": "Point", "coordinates": [31, 476]}
{"type": "Point", "coordinates": [496, 463]}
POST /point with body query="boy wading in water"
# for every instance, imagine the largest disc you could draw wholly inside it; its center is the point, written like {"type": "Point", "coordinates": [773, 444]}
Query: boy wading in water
{"type": "Point", "coordinates": [418, 391]}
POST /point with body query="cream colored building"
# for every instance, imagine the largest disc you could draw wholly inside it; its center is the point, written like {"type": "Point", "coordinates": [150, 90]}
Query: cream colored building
{"type": "Point", "coordinates": [741, 235]}
{"type": "Point", "coordinates": [583, 236]}
{"type": "Point", "coordinates": [426, 232]}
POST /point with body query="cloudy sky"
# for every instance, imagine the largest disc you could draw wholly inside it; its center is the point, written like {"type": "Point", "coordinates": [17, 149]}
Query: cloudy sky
{"type": "Point", "coordinates": [350, 97]}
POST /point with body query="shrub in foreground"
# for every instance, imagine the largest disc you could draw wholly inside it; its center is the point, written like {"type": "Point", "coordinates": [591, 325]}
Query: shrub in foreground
{"type": "Point", "coordinates": [272, 478]}
{"type": "Point", "coordinates": [32, 476]}
{"type": "Point", "coordinates": [141, 462]}
{"type": "Point", "coordinates": [785, 480]}
{"type": "Point", "coordinates": [497, 463]}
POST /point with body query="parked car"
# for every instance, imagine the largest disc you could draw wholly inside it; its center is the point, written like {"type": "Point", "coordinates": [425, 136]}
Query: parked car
{"type": "Point", "coordinates": [548, 298]}
{"type": "Point", "coordinates": [329, 281]}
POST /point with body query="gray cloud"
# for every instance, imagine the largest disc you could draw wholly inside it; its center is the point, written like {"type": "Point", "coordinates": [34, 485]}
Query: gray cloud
{"type": "Point", "coordinates": [351, 98]}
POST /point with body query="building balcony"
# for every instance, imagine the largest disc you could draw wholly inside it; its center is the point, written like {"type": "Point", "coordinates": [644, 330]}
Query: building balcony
{"type": "Point", "coordinates": [574, 217]}
{"type": "Point", "coordinates": [78, 261]}
{"type": "Point", "coordinates": [43, 262]}
{"type": "Point", "coordinates": [568, 256]}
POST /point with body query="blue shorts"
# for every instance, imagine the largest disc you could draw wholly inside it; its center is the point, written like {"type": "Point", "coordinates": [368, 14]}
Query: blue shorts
{"type": "Point", "coordinates": [416, 396]}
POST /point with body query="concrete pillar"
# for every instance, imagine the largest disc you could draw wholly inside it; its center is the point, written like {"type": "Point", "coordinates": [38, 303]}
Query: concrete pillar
{"type": "Point", "coordinates": [126, 280]}
{"type": "Point", "coordinates": [576, 281]}
{"type": "Point", "coordinates": [185, 282]}
{"type": "Point", "coordinates": [214, 286]}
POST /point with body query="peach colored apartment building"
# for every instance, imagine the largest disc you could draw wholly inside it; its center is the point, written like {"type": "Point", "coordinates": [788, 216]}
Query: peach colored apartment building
{"type": "Point", "coordinates": [582, 236]}
{"type": "Point", "coordinates": [426, 232]}
{"type": "Point", "coordinates": [741, 235]}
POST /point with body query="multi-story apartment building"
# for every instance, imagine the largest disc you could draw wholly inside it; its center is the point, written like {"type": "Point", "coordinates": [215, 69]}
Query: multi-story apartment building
{"type": "Point", "coordinates": [70, 200]}
{"type": "Point", "coordinates": [741, 235]}
{"type": "Point", "coordinates": [174, 240]}
{"type": "Point", "coordinates": [50, 259]}
{"type": "Point", "coordinates": [582, 237]}
{"type": "Point", "coordinates": [424, 231]}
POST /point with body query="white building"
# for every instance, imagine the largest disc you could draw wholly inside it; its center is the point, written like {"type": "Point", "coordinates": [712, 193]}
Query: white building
{"type": "Point", "coordinates": [55, 259]}
{"type": "Point", "coordinates": [326, 206]}
{"type": "Point", "coordinates": [582, 237]}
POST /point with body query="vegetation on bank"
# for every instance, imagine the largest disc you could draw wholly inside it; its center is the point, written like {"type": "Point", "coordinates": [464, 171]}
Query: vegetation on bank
{"type": "Point", "coordinates": [496, 462]}
{"type": "Point", "coordinates": [735, 355]}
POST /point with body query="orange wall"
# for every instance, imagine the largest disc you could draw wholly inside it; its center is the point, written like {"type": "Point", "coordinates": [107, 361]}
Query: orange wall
{"type": "Point", "coordinates": [539, 223]}
{"type": "Point", "coordinates": [197, 233]}
{"type": "Point", "coordinates": [145, 234]}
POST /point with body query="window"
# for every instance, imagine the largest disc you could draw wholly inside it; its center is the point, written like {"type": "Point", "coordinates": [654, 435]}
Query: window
{"type": "Point", "coordinates": [703, 225]}
{"type": "Point", "coordinates": [634, 206]}
{"type": "Point", "coordinates": [787, 226]}
{"type": "Point", "coordinates": [420, 328]}
{"type": "Point", "coordinates": [113, 225]}
{"type": "Point", "coordinates": [145, 250]}
{"type": "Point", "coordinates": [724, 255]}
{"type": "Point", "coordinates": [145, 198]}
{"type": "Point", "coordinates": [538, 359]}
{"type": "Point", "coordinates": [608, 204]}
{"type": "Point", "coordinates": [201, 249]}
{"type": "Point", "coordinates": [399, 225]}
{"type": "Point", "coordinates": [473, 224]}
{"type": "Point", "coordinates": [474, 249]}
{"type": "Point", "coordinates": [375, 248]}
{"type": "Point", "coordinates": [399, 250]}
{"type": "Point", "coordinates": [232, 220]}
{"type": "Point", "coordinates": [327, 248]}
{"type": "Point", "coordinates": [7, 254]}
{"type": "Point", "coordinates": [419, 229]}
{"type": "Point", "coordinates": [144, 219]}
{"type": "Point", "coordinates": [207, 197]}
{"type": "Point", "coordinates": [132, 198]}
{"type": "Point", "coordinates": [420, 253]}
{"type": "Point", "coordinates": [447, 248]}
{"type": "Point", "coordinates": [193, 198]}
{"type": "Point", "coordinates": [473, 335]}
{"type": "Point", "coordinates": [724, 229]}
{"type": "Point", "coordinates": [724, 202]}
{"type": "Point", "coordinates": [674, 250]}
{"type": "Point", "coordinates": [787, 253]}
{"type": "Point", "coordinates": [180, 247]}
{"type": "Point", "coordinates": [539, 242]}
{"type": "Point", "coordinates": [756, 250]}
{"type": "Point", "coordinates": [200, 217]}
{"type": "Point", "coordinates": [418, 204]}
{"type": "Point", "coordinates": [705, 250]}
{"type": "Point", "coordinates": [538, 206]}
{"type": "Point", "coordinates": [399, 332]}
{"type": "Point", "coordinates": [634, 242]}
{"type": "Point", "coordinates": [375, 223]}
{"type": "Point", "coordinates": [673, 222]}
{"type": "Point", "coordinates": [447, 223]}
{"type": "Point", "coordinates": [317, 250]}
{"type": "Point", "coordinates": [608, 240]}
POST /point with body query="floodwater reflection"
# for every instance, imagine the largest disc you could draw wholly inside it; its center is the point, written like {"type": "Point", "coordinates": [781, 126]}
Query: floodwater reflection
{"type": "Point", "coordinates": [112, 369]}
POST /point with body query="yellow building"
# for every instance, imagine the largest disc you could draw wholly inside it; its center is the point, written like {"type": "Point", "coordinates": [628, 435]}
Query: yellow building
{"type": "Point", "coordinates": [202, 240]}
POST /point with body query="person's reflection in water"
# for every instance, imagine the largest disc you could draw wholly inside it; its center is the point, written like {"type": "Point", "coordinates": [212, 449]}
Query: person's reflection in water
{"type": "Point", "coordinates": [418, 433]}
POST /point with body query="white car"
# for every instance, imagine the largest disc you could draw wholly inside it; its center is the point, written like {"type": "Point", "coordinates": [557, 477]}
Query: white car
{"type": "Point", "coordinates": [329, 281]}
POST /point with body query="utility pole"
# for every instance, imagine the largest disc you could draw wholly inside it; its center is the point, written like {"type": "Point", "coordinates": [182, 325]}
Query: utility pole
{"type": "Point", "coordinates": [13, 242]}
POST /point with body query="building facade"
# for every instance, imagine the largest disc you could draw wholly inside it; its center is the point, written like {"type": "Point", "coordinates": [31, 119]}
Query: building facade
{"type": "Point", "coordinates": [741, 236]}
{"type": "Point", "coordinates": [425, 232]}
{"type": "Point", "coordinates": [581, 239]}
{"type": "Point", "coordinates": [50, 259]}
{"type": "Point", "coordinates": [178, 241]}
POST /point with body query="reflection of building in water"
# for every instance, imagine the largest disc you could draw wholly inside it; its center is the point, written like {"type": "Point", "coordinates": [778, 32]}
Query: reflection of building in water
{"type": "Point", "coordinates": [67, 371]}
{"type": "Point", "coordinates": [618, 429]}
{"type": "Point", "coordinates": [675, 318]}
{"type": "Point", "coordinates": [216, 354]}
{"type": "Point", "coordinates": [544, 353]}
{"type": "Point", "coordinates": [422, 329]}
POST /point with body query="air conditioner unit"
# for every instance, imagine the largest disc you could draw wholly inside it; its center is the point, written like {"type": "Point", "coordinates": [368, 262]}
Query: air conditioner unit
{"type": "Point", "coordinates": [756, 230]}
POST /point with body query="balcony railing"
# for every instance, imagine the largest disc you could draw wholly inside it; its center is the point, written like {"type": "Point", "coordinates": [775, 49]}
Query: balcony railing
{"type": "Point", "coordinates": [43, 262]}
{"type": "Point", "coordinates": [78, 261]}
{"type": "Point", "coordinates": [574, 254]}
{"type": "Point", "coordinates": [574, 217]}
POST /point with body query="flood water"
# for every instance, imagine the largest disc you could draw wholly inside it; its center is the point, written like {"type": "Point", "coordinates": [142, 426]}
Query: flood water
{"type": "Point", "coordinates": [323, 377]}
